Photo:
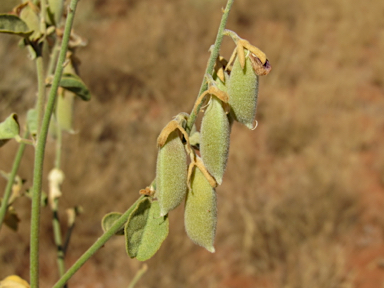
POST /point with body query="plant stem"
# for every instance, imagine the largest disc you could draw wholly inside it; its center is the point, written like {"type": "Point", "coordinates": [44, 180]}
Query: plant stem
{"type": "Point", "coordinates": [53, 57]}
{"type": "Point", "coordinates": [55, 209]}
{"type": "Point", "coordinates": [58, 146]}
{"type": "Point", "coordinates": [96, 246]}
{"type": "Point", "coordinates": [41, 89]}
{"type": "Point", "coordinates": [57, 237]}
{"type": "Point", "coordinates": [138, 275]}
{"type": "Point", "coordinates": [40, 149]}
{"type": "Point", "coordinates": [211, 62]}
{"type": "Point", "coordinates": [43, 13]}
{"type": "Point", "coordinates": [11, 179]}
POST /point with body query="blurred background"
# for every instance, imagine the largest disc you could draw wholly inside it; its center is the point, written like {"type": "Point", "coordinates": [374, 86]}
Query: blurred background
{"type": "Point", "coordinates": [301, 204]}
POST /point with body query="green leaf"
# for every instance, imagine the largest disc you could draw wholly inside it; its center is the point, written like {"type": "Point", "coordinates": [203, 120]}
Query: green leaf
{"type": "Point", "coordinates": [74, 84]}
{"type": "Point", "coordinates": [11, 24]}
{"type": "Point", "coordinates": [29, 13]}
{"type": "Point", "coordinates": [109, 219]}
{"type": "Point", "coordinates": [32, 121]}
{"type": "Point", "coordinates": [145, 231]}
{"type": "Point", "coordinates": [9, 129]}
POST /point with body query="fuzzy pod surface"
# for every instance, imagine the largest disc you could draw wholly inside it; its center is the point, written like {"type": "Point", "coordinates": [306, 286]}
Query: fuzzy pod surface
{"type": "Point", "coordinates": [215, 136]}
{"type": "Point", "coordinates": [243, 86]}
{"type": "Point", "coordinates": [200, 215]}
{"type": "Point", "coordinates": [171, 174]}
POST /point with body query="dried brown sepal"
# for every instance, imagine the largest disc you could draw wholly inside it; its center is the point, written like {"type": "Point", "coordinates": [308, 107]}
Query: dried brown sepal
{"type": "Point", "coordinates": [212, 90]}
{"type": "Point", "coordinates": [240, 54]}
{"type": "Point", "coordinates": [259, 68]}
{"type": "Point", "coordinates": [169, 128]}
{"type": "Point", "coordinates": [219, 68]}
{"type": "Point", "coordinates": [196, 161]}
{"type": "Point", "coordinates": [256, 51]}
{"type": "Point", "coordinates": [148, 191]}
{"type": "Point", "coordinates": [242, 44]}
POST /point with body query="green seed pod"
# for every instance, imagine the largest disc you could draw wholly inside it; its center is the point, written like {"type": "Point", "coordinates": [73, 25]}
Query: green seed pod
{"type": "Point", "coordinates": [200, 216]}
{"type": "Point", "coordinates": [214, 146]}
{"type": "Point", "coordinates": [171, 173]}
{"type": "Point", "coordinates": [64, 109]}
{"type": "Point", "coordinates": [243, 87]}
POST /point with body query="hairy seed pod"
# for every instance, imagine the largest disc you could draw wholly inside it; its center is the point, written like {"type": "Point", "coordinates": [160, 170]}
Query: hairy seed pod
{"type": "Point", "coordinates": [171, 173]}
{"type": "Point", "coordinates": [200, 214]}
{"type": "Point", "coordinates": [214, 146]}
{"type": "Point", "coordinates": [242, 90]}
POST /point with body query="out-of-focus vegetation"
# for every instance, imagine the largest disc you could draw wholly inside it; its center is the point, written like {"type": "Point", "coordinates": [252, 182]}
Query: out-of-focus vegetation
{"type": "Point", "coordinates": [302, 200]}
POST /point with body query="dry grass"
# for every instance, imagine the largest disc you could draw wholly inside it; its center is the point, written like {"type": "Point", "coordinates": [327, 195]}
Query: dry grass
{"type": "Point", "coordinates": [297, 190]}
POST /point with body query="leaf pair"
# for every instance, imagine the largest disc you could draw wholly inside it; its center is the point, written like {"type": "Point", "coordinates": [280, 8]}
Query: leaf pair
{"type": "Point", "coordinates": [144, 230]}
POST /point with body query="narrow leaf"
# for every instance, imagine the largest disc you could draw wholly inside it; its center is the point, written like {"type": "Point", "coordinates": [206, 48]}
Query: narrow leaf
{"type": "Point", "coordinates": [74, 84]}
{"type": "Point", "coordinates": [145, 231]}
{"type": "Point", "coordinates": [9, 129]}
{"type": "Point", "coordinates": [109, 219]}
{"type": "Point", "coordinates": [11, 24]}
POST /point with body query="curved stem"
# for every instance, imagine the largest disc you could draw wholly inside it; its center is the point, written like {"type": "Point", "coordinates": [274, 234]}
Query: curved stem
{"type": "Point", "coordinates": [40, 149]}
{"type": "Point", "coordinates": [11, 179]}
{"type": "Point", "coordinates": [96, 246]}
{"type": "Point", "coordinates": [211, 62]}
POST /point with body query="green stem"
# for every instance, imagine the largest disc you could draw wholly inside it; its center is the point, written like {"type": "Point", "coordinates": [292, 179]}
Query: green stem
{"type": "Point", "coordinates": [53, 57]}
{"type": "Point", "coordinates": [96, 246]}
{"type": "Point", "coordinates": [57, 237]}
{"type": "Point", "coordinates": [58, 146]}
{"type": "Point", "coordinates": [55, 209]}
{"type": "Point", "coordinates": [43, 13]}
{"type": "Point", "coordinates": [68, 237]}
{"type": "Point", "coordinates": [23, 140]}
{"type": "Point", "coordinates": [138, 275]}
{"type": "Point", "coordinates": [40, 149]}
{"type": "Point", "coordinates": [41, 90]}
{"type": "Point", "coordinates": [211, 62]}
{"type": "Point", "coordinates": [11, 179]}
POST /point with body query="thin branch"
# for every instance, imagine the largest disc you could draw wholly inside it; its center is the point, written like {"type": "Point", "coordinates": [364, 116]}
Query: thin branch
{"type": "Point", "coordinates": [40, 149]}
{"type": "Point", "coordinates": [11, 180]}
{"type": "Point", "coordinates": [211, 62]}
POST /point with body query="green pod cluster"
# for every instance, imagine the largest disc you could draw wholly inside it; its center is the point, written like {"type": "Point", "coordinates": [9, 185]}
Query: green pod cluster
{"type": "Point", "coordinates": [171, 173]}
{"type": "Point", "coordinates": [243, 86]}
{"type": "Point", "coordinates": [200, 216]}
{"type": "Point", "coordinates": [215, 136]}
